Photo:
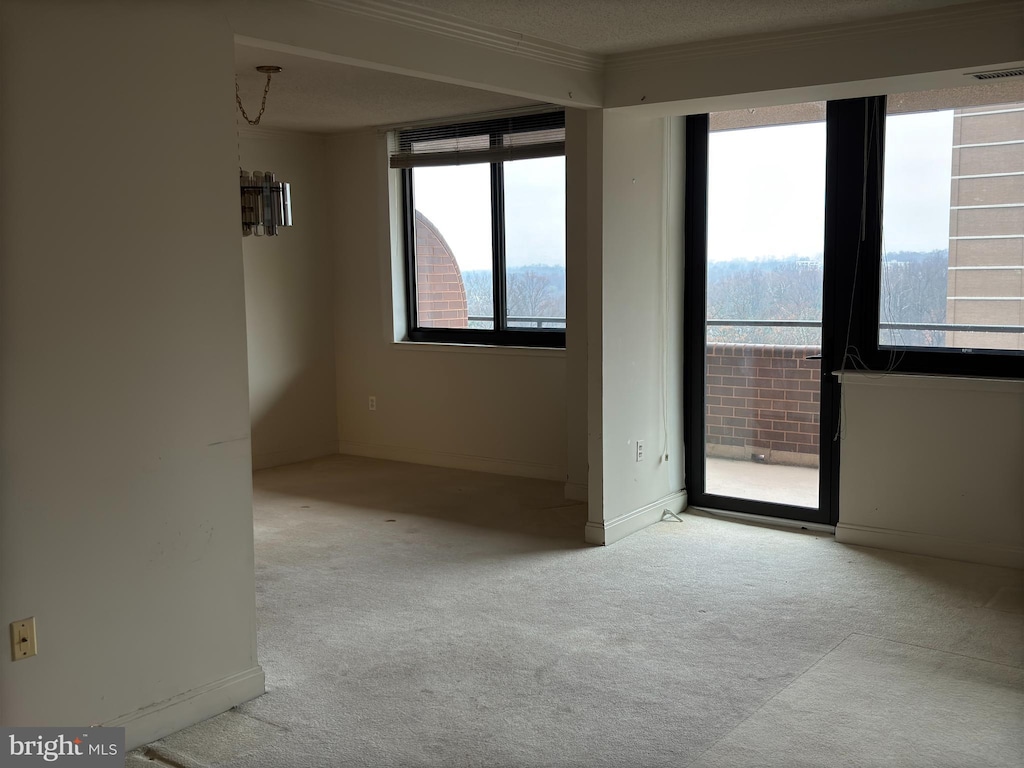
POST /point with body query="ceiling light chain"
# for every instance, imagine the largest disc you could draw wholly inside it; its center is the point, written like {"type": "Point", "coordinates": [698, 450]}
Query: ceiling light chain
{"type": "Point", "coordinates": [266, 201]}
{"type": "Point", "coordinates": [270, 71]}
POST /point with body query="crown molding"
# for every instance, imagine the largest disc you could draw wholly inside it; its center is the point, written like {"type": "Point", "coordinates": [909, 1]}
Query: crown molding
{"type": "Point", "coordinates": [953, 17]}
{"type": "Point", "coordinates": [454, 27]}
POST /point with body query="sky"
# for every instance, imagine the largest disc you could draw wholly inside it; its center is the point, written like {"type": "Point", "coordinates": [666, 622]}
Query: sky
{"type": "Point", "coordinates": [766, 189]}
{"type": "Point", "coordinates": [457, 199]}
{"type": "Point", "coordinates": [766, 195]}
{"type": "Point", "coordinates": [918, 156]}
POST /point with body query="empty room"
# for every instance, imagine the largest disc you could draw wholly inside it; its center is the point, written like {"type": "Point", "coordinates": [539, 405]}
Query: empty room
{"type": "Point", "coordinates": [465, 382]}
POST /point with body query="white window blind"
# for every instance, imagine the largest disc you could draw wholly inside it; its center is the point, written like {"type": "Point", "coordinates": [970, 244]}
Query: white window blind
{"type": "Point", "coordinates": [517, 137]}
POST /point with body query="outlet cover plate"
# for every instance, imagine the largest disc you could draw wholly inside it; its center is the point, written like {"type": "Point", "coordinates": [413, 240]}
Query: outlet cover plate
{"type": "Point", "coordinates": [23, 638]}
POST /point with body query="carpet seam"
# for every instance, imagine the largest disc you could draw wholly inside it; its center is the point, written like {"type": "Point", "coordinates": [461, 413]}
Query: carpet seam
{"type": "Point", "coordinates": [767, 701]}
{"type": "Point", "coordinates": [159, 758]}
{"type": "Point", "coordinates": [239, 712]}
{"type": "Point", "coordinates": [937, 650]}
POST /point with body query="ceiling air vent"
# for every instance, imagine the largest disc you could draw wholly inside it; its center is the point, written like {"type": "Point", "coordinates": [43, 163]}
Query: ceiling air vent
{"type": "Point", "coordinates": [998, 73]}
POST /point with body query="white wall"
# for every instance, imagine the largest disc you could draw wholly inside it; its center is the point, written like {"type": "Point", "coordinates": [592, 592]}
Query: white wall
{"type": "Point", "coordinates": [498, 410]}
{"type": "Point", "coordinates": [576, 182]}
{"type": "Point", "coordinates": [934, 466]}
{"type": "Point", "coordinates": [638, 266]}
{"type": "Point", "coordinates": [125, 490]}
{"type": "Point", "coordinates": [920, 50]}
{"type": "Point", "coordinates": [289, 307]}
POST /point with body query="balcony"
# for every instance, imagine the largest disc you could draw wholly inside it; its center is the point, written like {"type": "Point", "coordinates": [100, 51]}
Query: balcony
{"type": "Point", "coordinates": [762, 404]}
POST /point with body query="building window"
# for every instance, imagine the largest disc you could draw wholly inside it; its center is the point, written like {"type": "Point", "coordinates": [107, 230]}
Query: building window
{"type": "Point", "coordinates": [484, 212]}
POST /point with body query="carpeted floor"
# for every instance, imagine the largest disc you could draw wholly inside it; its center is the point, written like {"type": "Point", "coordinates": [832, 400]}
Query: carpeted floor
{"type": "Point", "coordinates": [414, 616]}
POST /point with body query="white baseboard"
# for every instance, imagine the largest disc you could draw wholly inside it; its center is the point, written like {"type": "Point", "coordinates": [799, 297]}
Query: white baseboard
{"type": "Point", "coordinates": [453, 460]}
{"type": "Point", "coordinates": [576, 491]}
{"type": "Point", "coordinates": [619, 527]}
{"type": "Point", "coordinates": [928, 544]}
{"type": "Point", "coordinates": [293, 455]}
{"type": "Point", "coordinates": [158, 720]}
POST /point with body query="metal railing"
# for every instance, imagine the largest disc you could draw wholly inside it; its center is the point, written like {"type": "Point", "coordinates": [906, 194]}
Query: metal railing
{"type": "Point", "coordinates": [559, 322]}
{"type": "Point", "coordinates": [882, 326]}
{"type": "Point", "coordinates": [520, 322]}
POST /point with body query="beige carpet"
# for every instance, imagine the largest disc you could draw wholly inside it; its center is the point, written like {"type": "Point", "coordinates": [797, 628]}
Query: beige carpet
{"type": "Point", "coordinates": [413, 616]}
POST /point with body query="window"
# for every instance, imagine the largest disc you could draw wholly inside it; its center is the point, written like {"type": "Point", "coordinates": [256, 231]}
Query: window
{"type": "Point", "coordinates": [927, 222]}
{"type": "Point", "coordinates": [916, 202]}
{"type": "Point", "coordinates": [484, 211]}
{"type": "Point", "coordinates": [952, 272]}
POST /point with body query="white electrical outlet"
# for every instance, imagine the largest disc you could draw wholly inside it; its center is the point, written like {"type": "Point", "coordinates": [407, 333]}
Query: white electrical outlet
{"type": "Point", "coordinates": [373, 402]}
{"type": "Point", "coordinates": [639, 450]}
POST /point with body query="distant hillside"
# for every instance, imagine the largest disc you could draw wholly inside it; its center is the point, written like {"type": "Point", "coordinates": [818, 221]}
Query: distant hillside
{"type": "Point", "coordinates": [536, 290]}
{"type": "Point", "coordinates": [913, 290]}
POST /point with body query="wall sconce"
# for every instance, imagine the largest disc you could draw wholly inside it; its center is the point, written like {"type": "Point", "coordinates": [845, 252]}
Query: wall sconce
{"type": "Point", "coordinates": [266, 203]}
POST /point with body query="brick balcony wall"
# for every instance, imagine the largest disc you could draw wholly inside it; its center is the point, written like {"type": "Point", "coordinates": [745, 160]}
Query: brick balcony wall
{"type": "Point", "coordinates": [440, 292]}
{"type": "Point", "coordinates": [763, 400]}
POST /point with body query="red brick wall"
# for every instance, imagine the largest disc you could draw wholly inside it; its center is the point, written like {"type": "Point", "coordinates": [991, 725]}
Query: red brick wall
{"type": "Point", "coordinates": [763, 399]}
{"type": "Point", "coordinates": [440, 293]}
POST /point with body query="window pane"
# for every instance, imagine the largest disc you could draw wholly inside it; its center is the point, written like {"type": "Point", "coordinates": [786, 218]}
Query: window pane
{"type": "Point", "coordinates": [953, 222]}
{"type": "Point", "coordinates": [766, 224]}
{"type": "Point", "coordinates": [535, 242]}
{"type": "Point", "coordinates": [765, 240]}
{"type": "Point", "coordinates": [454, 287]}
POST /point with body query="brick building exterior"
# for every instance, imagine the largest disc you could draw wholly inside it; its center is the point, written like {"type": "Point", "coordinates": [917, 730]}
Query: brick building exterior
{"type": "Point", "coordinates": [440, 292]}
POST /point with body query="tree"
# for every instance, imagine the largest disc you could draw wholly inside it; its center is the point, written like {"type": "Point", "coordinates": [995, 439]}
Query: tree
{"type": "Point", "coordinates": [530, 293]}
{"type": "Point", "coordinates": [913, 290]}
{"type": "Point", "coordinates": [479, 296]}
{"type": "Point", "coordinates": [766, 289]}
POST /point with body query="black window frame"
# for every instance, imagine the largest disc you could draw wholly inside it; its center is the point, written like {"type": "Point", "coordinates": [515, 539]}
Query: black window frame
{"type": "Point", "coordinates": [695, 235]}
{"type": "Point", "coordinates": [859, 133]}
{"type": "Point", "coordinates": [501, 334]}
{"type": "Point", "coordinates": [851, 312]}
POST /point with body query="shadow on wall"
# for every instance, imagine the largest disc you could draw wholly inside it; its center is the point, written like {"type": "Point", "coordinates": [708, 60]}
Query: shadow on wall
{"type": "Point", "coordinates": [289, 424]}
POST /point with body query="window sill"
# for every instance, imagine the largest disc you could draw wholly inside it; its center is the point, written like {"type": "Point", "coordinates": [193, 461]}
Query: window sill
{"type": "Point", "coordinates": [478, 349]}
{"type": "Point", "coordinates": [929, 381]}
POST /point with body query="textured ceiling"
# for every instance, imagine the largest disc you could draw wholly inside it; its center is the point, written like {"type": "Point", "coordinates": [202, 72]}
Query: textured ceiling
{"type": "Point", "coordinates": [613, 26]}
{"type": "Point", "coordinates": [322, 96]}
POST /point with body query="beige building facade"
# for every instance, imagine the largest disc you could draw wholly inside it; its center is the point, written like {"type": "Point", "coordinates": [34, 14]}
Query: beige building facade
{"type": "Point", "coordinates": [986, 225]}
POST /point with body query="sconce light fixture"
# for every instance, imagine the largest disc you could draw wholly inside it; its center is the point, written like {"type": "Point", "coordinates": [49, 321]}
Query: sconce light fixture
{"type": "Point", "coordinates": [266, 202]}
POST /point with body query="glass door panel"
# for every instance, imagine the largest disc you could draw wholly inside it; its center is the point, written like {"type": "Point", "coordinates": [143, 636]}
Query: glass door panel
{"type": "Point", "coordinates": [765, 243]}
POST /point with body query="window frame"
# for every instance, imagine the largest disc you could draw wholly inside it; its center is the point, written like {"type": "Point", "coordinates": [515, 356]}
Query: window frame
{"type": "Point", "coordinates": [859, 147]}
{"type": "Point", "coordinates": [851, 307]}
{"type": "Point", "coordinates": [501, 334]}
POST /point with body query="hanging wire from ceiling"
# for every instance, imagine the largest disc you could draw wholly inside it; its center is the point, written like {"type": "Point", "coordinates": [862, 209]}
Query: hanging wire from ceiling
{"type": "Point", "coordinates": [266, 200]}
{"type": "Point", "coordinates": [270, 71]}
